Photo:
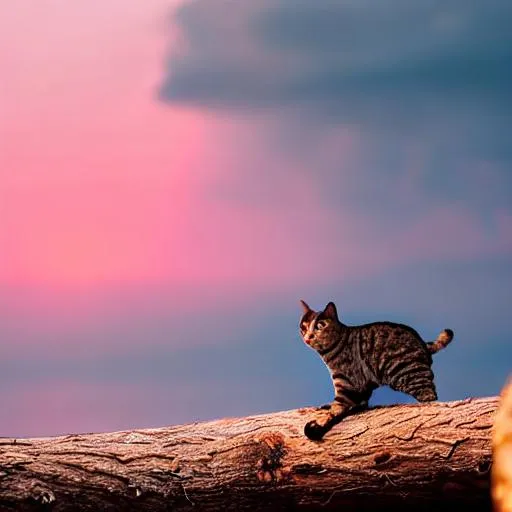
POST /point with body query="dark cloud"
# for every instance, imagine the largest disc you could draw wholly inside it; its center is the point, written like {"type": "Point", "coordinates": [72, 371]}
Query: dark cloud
{"type": "Point", "coordinates": [373, 53]}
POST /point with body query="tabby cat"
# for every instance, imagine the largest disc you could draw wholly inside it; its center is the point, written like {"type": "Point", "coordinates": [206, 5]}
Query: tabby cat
{"type": "Point", "coordinates": [361, 358]}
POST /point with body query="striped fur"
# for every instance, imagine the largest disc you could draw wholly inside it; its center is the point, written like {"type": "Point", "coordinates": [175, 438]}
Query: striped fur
{"type": "Point", "coordinates": [361, 358]}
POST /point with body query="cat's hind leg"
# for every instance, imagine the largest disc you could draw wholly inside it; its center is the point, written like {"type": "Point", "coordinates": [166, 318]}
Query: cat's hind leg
{"type": "Point", "coordinates": [418, 383]}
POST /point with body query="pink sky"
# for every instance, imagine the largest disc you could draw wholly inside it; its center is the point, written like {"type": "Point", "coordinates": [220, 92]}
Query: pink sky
{"type": "Point", "coordinates": [87, 166]}
{"type": "Point", "coordinates": [103, 187]}
{"type": "Point", "coordinates": [100, 183]}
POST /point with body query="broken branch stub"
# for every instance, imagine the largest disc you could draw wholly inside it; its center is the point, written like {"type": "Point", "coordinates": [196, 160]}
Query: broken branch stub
{"type": "Point", "coordinates": [502, 452]}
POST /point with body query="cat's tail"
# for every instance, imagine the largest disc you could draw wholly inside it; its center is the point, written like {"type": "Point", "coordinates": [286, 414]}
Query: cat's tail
{"type": "Point", "coordinates": [442, 341]}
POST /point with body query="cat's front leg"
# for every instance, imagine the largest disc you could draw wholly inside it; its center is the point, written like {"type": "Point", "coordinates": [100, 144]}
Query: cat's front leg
{"type": "Point", "coordinates": [346, 402]}
{"type": "Point", "coordinates": [325, 418]}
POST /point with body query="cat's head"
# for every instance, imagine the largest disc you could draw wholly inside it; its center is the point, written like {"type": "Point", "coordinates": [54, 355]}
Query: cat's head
{"type": "Point", "coordinates": [317, 328]}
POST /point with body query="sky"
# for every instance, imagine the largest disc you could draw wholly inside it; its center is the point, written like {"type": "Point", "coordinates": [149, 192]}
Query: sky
{"type": "Point", "coordinates": [174, 178]}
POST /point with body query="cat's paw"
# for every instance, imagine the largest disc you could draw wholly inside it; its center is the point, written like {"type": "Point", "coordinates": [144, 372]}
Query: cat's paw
{"type": "Point", "coordinates": [314, 431]}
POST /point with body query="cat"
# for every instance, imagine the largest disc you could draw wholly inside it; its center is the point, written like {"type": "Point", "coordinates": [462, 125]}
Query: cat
{"type": "Point", "coordinates": [361, 358]}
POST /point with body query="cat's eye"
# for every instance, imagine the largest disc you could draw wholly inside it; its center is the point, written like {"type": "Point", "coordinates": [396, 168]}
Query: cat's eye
{"type": "Point", "coordinates": [319, 325]}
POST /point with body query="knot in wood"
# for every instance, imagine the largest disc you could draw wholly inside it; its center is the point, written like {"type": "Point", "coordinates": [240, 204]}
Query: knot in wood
{"type": "Point", "coordinates": [269, 466]}
{"type": "Point", "coordinates": [484, 467]}
{"type": "Point", "coordinates": [41, 494]}
{"type": "Point", "coordinates": [382, 457]}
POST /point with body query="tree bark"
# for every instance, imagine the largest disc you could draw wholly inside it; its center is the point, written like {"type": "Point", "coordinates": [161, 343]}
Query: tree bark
{"type": "Point", "coordinates": [391, 457]}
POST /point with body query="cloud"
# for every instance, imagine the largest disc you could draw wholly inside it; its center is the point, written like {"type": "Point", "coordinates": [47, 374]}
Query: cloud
{"type": "Point", "coordinates": [399, 113]}
{"type": "Point", "coordinates": [283, 52]}
{"type": "Point", "coordinates": [432, 74]}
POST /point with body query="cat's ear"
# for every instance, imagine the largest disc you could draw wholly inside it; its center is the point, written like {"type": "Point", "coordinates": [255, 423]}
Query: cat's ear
{"type": "Point", "coordinates": [330, 311]}
{"type": "Point", "coordinates": [305, 307]}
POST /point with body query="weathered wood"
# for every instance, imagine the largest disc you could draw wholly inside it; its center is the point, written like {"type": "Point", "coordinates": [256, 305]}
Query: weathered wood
{"type": "Point", "coordinates": [501, 475]}
{"type": "Point", "coordinates": [425, 456]}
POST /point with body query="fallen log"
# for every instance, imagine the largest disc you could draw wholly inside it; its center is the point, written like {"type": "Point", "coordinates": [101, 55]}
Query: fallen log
{"type": "Point", "coordinates": [426, 456]}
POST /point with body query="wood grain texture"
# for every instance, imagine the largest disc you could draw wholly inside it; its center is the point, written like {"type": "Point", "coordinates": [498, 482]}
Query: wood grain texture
{"type": "Point", "coordinates": [387, 458]}
{"type": "Point", "coordinates": [501, 475]}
